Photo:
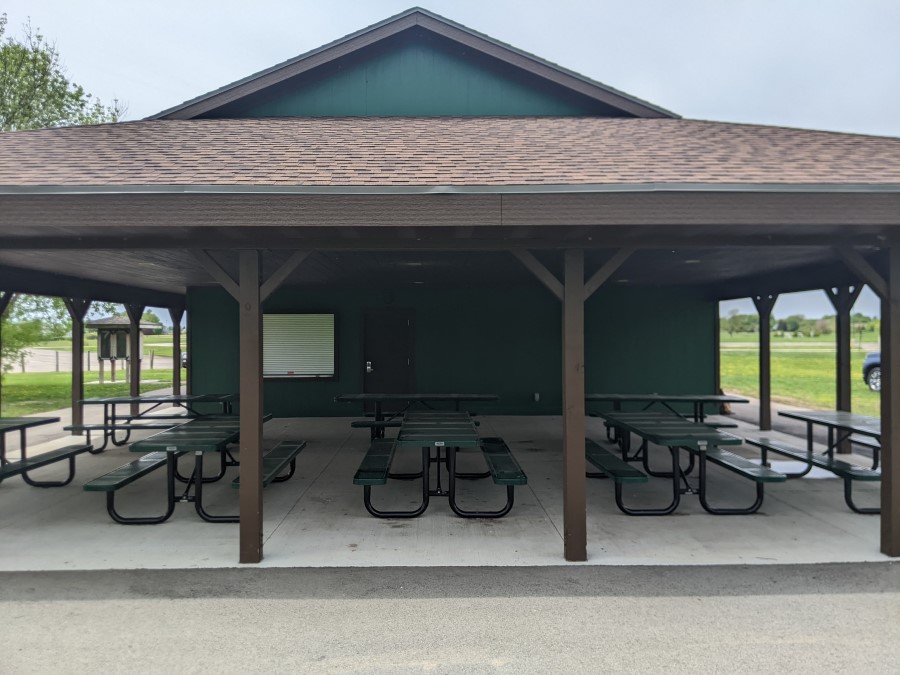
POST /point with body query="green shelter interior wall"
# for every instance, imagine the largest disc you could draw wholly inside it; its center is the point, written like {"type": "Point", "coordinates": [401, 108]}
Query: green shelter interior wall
{"type": "Point", "coordinates": [415, 73]}
{"type": "Point", "coordinates": [486, 340]}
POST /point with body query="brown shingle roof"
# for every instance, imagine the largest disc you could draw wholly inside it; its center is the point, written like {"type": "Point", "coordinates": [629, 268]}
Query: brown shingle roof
{"type": "Point", "coordinates": [343, 152]}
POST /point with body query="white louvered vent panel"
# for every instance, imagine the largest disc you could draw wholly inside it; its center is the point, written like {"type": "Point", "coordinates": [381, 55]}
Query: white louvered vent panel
{"type": "Point", "coordinates": [298, 345]}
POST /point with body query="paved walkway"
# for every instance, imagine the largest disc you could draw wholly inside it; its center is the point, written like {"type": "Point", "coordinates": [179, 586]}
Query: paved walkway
{"type": "Point", "coordinates": [560, 619]}
{"type": "Point", "coordinates": [59, 360]}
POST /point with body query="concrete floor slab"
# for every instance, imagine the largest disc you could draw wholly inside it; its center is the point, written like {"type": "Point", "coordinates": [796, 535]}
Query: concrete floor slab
{"type": "Point", "coordinates": [317, 519]}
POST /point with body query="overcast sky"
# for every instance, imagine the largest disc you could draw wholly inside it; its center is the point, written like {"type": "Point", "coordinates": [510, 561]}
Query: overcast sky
{"type": "Point", "coordinates": [816, 64]}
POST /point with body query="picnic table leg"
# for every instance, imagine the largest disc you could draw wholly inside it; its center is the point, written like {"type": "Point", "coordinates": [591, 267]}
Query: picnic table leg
{"type": "Point", "coordinates": [676, 493]}
{"type": "Point", "coordinates": [753, 508]}
{"type": "Point", "coordinates": [198, 495]}
{"type": "Point", "coordinates": [848, 497]}
{"type": "Point", "coordinates": [451, 494]}
{"type": "Point", "coordinates": [426, 492]}
{"type": "Point", "coordinates": [645, 456]}
{"type": "Point", "coordinates": [155, 520]}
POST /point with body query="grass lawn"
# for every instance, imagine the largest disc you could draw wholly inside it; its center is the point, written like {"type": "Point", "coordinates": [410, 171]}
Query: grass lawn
{"type": "Point", "coordinates": [29, 393]}
{"type": "Point", "coordinates": [805, 379]}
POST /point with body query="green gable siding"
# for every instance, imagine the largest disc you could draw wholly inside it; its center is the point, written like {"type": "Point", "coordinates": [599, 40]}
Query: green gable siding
{"type": "Point", "coordinates": [414, 74]}
{"type": "Point", "coordinates": [504, 341]}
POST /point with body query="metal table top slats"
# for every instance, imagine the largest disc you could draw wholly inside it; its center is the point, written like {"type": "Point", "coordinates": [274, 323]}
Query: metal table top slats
{"type": "Point", "coordinates": [670, 398]}
{"type": "Point", "coordinates": [838, 419]}
{"type": "Point", "coordinates": [416, 397]}
{"type": "Point", "coordinates": [435, 429]}
{"type": "Point", "coordinates": [162, 398]}
{"type": "Point", "coordinates": [195, 436]}
{"type": "Point", "coordinates": [17, 423]}
{"type": "Point", "coordinates": [670, 430]}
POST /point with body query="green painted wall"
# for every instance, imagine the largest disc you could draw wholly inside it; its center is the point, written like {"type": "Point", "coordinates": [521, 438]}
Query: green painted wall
{"type": "Point", "coordinates": [413, 74]}
{"type": "Point", "coordinates": [505, 341]}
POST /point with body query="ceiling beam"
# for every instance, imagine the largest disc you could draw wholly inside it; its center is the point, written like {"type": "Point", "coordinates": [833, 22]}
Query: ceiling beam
{"type": "Point", "coordinates": [282, 273]}
{"type": "Point", "coordinates": [544, 275]}
{"type": "Point", "coordinates": [864, 269]}
{"type": "Point", "coordinates": [606, 271]}
{"type": "Point", "coordinates": [218, 273]}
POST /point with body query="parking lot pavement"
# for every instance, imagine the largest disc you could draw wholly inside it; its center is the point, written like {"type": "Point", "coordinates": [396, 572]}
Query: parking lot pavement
{"type": "Point", "coordinates": [801, 618]}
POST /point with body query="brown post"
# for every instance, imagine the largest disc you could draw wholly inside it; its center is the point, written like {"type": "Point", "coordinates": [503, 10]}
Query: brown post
{"type": "Point", "coordinates": [843, 299]}
{"type": "Point", "coordinates": [5, 298]}
{"type": "Point", "coordinates": [176, 315]}
{"type": "Point", "coordinates": [77, 311]}
{"type": "Point", "coordinates": [135, 312]}
{"type": "Point", "coordinates": [717, 353]}
{"type": "Point", "coordinates": [890, 394]}
{"type": "Point", "coordinates": [574, 488]}
{"type": "Point", "coordinates": [251, 396]}
{"type": "Point", "coordinates": [764, 305]}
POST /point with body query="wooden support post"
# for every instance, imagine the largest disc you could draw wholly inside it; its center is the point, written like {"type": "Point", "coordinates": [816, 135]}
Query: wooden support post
{"type": "Point", "coordinates": [6, 298]}
{"type": "Point", "coordinates": [574, 484]}
{"type": "Point", "coordinates": [764, 305]}
{"type": "Point", "coordinates": [176, 314]}
{"type": "Point", "coordinates": [717, 353]}
{"type": "Point", "coordinates": [251, 396]}
{"type": "Point", "coordinates": [135, 312]}
{"type": "Point", "coordinates": [890, 398]}
{"type": "Point", "coordinates": [78, 309]}
{"type": "Point", "coordinates": [843, 299]}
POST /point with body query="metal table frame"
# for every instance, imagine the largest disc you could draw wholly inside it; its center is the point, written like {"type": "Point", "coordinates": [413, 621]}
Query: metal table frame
{"type": "Point", "coordinates": [110, 418]}
{"type": "Point", "coordinates": [378, 400]}
{"type": "Point", "coordinates": [20, 424]}
{"type": "Point", "coordinates": [676, 433]}
{"type": "Point", "coordinates": [444, 433]}
{"type": "Point", "coordinates": [840, 424]}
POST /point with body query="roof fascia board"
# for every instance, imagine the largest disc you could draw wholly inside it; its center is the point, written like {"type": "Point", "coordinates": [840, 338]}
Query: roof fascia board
{"type": "Point", "coordinates": [391, 26]}
{"type": "Point", "coordinates": [811, 188]}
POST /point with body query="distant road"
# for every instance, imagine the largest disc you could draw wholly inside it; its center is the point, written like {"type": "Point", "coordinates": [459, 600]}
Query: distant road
{"type": "Point", "coordinates": [51, 360]}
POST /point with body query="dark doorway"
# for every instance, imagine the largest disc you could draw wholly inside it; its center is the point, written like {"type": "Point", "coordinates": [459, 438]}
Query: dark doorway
{"type": "Point", "coordinates": [388, 363]}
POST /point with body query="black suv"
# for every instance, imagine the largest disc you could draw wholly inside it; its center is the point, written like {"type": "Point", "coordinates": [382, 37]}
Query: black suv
{"type": "Point", "coordinates": [872, 370]}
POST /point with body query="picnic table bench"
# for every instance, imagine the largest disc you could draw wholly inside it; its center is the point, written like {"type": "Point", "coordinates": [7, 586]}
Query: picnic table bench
{"type": "Point", "coordinates": [22, 466]}
{"type": "Point", "coordinates": [37, 457]}
{"type": "Point", "coordinates": [698, 439]}
{"type": "Point", "coordinates": [845, 470]}
{"type": "Point", "coordinates": [198, 436]}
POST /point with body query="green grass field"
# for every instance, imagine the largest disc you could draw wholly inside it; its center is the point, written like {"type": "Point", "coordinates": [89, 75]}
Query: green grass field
{"type": "Point", "coordinates": [804, 379]}
{"type": "Point", "coordinates": [29, 393]}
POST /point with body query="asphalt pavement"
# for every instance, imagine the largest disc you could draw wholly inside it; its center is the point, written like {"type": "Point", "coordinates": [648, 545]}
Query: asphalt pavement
{"type": "Point", "coordinates": [699, 619]}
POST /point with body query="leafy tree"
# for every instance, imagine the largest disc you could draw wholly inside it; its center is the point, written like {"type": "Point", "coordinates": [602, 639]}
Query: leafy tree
{"type": "Point", "coordinates": [149, 316]}
{"type": "Point", "coordinates": [31, 319]}
{"type": "Point", "coordinates": [34, 90]}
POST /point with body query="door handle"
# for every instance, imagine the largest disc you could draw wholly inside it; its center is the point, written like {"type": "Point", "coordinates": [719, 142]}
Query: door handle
{"type": "Point", "coordinates": [368, 367]}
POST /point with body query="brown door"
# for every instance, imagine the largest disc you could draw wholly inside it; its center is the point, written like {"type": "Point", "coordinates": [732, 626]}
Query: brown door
{"type": "Point", "coordinates": [388, 364]}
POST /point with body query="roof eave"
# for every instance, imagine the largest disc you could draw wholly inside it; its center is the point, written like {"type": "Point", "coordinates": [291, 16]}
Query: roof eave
{"type": "Point", "coordinates": [12, 190]}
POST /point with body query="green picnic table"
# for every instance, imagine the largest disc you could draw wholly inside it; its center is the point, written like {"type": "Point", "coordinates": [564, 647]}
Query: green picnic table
{"type": "Point", "coordinates": [677, 433]}
{"type": "Point", "coordinates": [443, 433]}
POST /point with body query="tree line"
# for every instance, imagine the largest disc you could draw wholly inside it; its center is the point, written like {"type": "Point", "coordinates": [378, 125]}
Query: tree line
{"type": "Point", "coordinates": [797, 325]}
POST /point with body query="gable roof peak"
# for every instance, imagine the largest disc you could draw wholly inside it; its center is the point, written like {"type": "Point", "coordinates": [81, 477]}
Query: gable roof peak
{"type": "Point", "coordinates": [406, 20]}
